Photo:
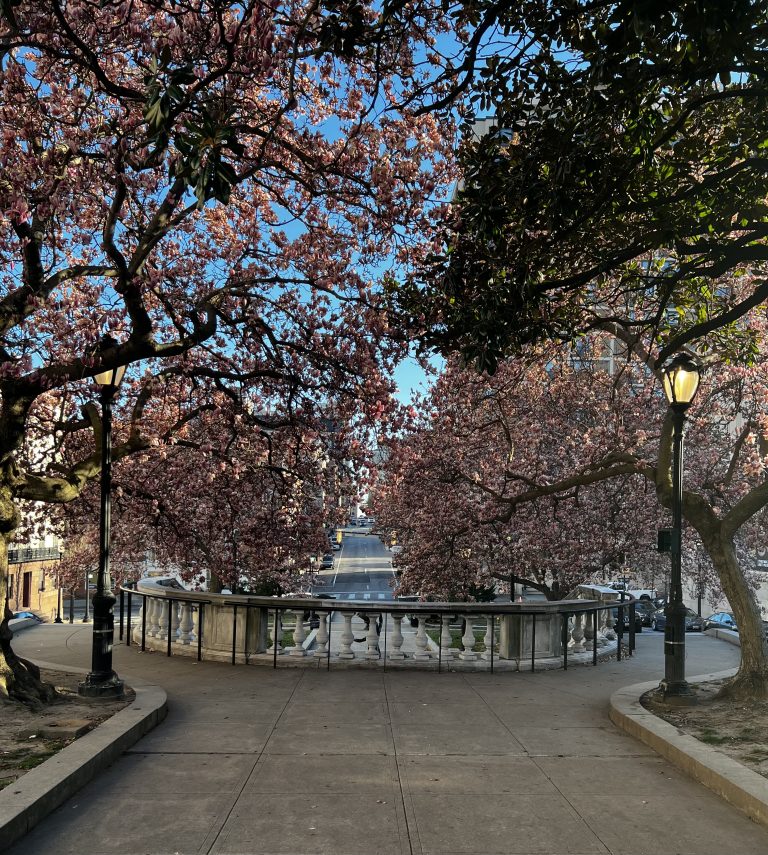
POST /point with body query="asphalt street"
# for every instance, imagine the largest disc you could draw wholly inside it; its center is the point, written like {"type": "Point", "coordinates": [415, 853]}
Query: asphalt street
{"type": "Point", "coordinates": [362, 569]}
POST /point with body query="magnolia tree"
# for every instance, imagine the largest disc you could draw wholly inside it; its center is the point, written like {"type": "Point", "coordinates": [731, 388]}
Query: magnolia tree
{"type": "Point", "coordinates": [227, 500]}
{"type": "Point", "coordinates": [215, 185]}
{"type": "Point", "coordinates": [452, 482]}
{"type": "Point", "coordinates": [556, 449]}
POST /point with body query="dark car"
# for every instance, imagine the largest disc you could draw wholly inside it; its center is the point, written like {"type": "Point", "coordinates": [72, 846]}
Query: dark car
{"type": "Point", "coordinates": [638, 619]}
{"type": "Point", "coordinates": [314, 620]}
{"type": "Point", "coordinates": [721, 620]}
{"type": "Point", "coordinates": [646, 609]}
{"type": "Point", "coordinates": [693, 622]}
{"type": "Point", "coordinates": [327, 562]}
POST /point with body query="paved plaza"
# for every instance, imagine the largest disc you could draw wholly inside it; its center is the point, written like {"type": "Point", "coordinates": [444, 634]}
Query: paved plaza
{"type": "Point", "coordinates": [297, 761]}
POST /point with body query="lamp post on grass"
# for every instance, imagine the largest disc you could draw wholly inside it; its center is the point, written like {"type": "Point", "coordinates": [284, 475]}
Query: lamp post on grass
{"type": "Point", "coordinates": [681, 382]}
{"type": "Point", "coordinates": [102, 681]}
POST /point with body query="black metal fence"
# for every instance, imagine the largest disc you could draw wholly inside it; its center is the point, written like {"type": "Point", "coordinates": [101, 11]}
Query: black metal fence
{"type": "Point", "coordinates": [267, 605]}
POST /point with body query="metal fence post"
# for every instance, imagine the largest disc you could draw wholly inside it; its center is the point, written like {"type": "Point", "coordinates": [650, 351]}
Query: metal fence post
{"type": "Point", "coordinates": [128, 621]}
{"type": "Point", "coordinates": [564, 641]}
{"type": "Point", "coordinates": [170, 626]}
{"type": "Point", "coordinates": [276, 640]}
{"type": "Point", "coordinates": [234, 631]}
{"type": "Point", "coordinates": [200, 613]}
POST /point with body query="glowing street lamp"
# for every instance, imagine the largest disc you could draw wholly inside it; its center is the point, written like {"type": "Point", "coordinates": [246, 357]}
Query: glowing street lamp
{"type": "Point", "coordinates": [681, 382]}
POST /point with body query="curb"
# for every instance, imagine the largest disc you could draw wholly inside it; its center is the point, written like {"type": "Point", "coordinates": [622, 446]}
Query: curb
{"type": "Point", "coordinates": [44, 788]}
{"type": "Point", "coordinates": [18, 624]}
{"type": "Point", "coordinates": [738, 785]}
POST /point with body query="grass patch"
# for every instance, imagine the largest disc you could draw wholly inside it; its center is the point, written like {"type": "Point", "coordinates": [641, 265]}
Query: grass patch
{"type": "Point", "coordinates": [24, 759]}
{"type": "Point", "coordinates": [456, 644]}
{"type": "Point", "coordinates": [36, 759]}
{"type": "Point", "coordinates": [711, 738]}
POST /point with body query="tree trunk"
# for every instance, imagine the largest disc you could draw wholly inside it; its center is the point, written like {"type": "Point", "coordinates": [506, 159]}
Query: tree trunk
{"type": "Point", "coordinates": [19, 679]}
{"type": "Point", "coordinates": [751, 681]}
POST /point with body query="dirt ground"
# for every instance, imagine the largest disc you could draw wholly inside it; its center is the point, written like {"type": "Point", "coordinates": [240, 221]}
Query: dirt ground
{"type": "Point", "coordinates": [737, 729]}
{"type": "Point", "coordinates": [21, 749]}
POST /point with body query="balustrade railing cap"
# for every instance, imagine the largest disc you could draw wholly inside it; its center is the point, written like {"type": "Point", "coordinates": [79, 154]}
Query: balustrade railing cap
{"type": "Point", "coordinates": [156, 587]}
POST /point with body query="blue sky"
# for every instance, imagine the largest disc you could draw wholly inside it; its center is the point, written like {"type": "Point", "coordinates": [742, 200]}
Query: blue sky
{"type": "Point", "coordinates": [410, 377]}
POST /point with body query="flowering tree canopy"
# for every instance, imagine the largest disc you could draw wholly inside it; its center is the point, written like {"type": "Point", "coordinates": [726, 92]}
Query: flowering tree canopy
{"type": "Point", "coordinates": [219, 186]}
{"type": "Point", "coordinates": [561, 462]}
{"type": "Point", "coordinates": [462, 487]}
{"type": "Point", "coordinates": [226, 500]}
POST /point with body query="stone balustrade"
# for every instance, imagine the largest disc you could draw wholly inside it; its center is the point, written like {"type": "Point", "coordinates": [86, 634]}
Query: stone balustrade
{"type": "Point", "coordinates": [474, 636]}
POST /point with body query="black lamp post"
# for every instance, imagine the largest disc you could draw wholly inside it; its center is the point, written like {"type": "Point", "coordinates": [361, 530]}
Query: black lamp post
{"type": "Point", "coordinates": [681, 381]}
{"type": "Point", "coordinates": [58, 604]}
{"type": "Point", "coordinates": [102, 681]}
{"type": "Point", "coordinates": [58, 592]}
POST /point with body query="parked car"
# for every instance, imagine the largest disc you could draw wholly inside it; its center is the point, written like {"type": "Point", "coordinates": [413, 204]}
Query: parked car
{"type": "Point", "coordinates": [646, 609]}
{"type": "Point", "coordinates": [693, 622]}
{"type": "Point", "coordinates": [638, 619]}
{"type": "Point", "coordinates": [721, 620]}
{"type": "Point", "coordinates": [327, 562]}
{"type": "Point", "coordinates": [27, 615]}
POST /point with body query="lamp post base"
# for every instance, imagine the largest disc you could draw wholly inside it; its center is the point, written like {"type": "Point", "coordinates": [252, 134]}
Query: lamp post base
{"type": "Point", "coordinates": [677, 693]}
{"type": "Point", "coordinates": [99, 686]}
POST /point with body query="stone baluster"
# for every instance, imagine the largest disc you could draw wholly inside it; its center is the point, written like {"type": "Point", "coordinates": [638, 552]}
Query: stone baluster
{"type": "Point", "coordinates": [608, 630]}
{"type": "Point", "coordinates": [488, 638]}
{"type": "Point", "coordinates": [396, 639]}
{"type": "Point", "coordinates": [321, 650]}
{"type": "Point", "coordinates": [601, 639]}
{"type": "Point", "coordinates": [175, 608]}
{"type": "Point", "coordinates": [589, 631]}
{"type": "Point", "coordinates": [468, 640]}
{"type": "Point", "coordinates": [185, 624]}
{"type": "Point", "coordinates": [346, 638]}
{"type": "Point", "coordinates": [162, 620]}
{"type": "Point", "coordinates": [153, 612]}
{"type": "Point", "coordinates": [577, 633]}
{"type": "Point", "coordinates": [299, 634]}
{"type": "Point", "coordinates": [372, 638]}
{"type": "Point", "coordinates": [277, 634]}
{"type": "Point", "coordinates": [421, 641]}
{"type": "Point", "coordinates": [446, 640]}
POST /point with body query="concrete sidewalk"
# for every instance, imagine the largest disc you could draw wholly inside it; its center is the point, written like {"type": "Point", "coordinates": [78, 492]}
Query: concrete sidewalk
{"type": "Point", "coordinates": [300, 761]}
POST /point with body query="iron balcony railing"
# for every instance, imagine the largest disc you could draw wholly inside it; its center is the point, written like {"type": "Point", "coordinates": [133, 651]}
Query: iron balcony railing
{"type": "Point", "coordinates": [17, 555]}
